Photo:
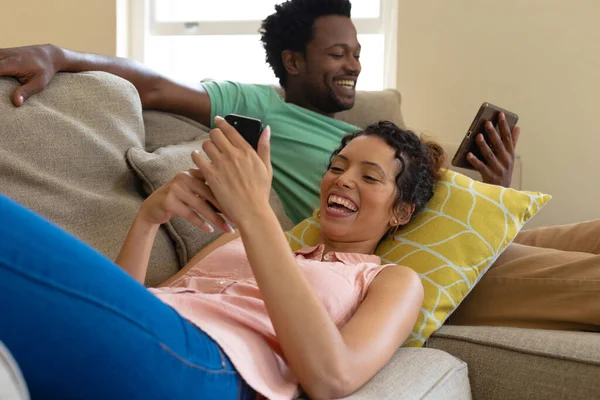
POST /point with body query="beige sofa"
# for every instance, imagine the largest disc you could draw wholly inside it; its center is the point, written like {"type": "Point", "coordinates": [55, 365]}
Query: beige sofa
{"type": "Point", "coordinates": [63, 155]}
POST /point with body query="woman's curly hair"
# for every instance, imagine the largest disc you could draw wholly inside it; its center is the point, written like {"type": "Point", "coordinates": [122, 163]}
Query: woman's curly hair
{"type": "Point", "coordinates": [291, 28]}
{"type": "Point", "coordinates": [421, 161]}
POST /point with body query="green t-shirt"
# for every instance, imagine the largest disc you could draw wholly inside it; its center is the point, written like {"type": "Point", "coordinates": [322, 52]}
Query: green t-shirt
{"type": "Point", "coordinates": [301, 140]}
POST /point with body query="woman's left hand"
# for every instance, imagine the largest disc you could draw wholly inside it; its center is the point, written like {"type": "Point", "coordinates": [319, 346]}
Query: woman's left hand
{"type": "Point", "coordinates": [239, 177]}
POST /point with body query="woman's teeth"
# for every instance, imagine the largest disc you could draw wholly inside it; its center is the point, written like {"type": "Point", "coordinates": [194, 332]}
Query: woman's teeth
{"type": "Point", "coordinates": [333, 199]}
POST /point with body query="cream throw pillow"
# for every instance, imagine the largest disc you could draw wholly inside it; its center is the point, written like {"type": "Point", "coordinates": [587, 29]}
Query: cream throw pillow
{"type": "Point", "coordinates": [451, 244]}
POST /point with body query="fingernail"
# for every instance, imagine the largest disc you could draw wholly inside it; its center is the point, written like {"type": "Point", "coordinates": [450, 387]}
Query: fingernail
{"type": "Point", "coordinates": [210, 228]}
{"type": "Point", "coordinates": [218, 118]}
{"type": "Point", "coordinates": [21, 99]}
{"type": "Point", "coordinates": [268, 133]}
{"type": "Point", "coordinates": [230, 229]}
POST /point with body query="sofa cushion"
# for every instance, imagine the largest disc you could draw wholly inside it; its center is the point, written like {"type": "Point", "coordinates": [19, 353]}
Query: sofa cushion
{"type": "Point", "coordinates": [157, 168]}
{"type": "Point", "coordinates": [63, 156]}
{"type": "Point", "coordinates": [450, 244]}
{"type": "Point", "coordinates": [163, 129]}
{"type": "Point", "coordinates": [418, 374]}
{"type": "Point", "coordinates": [373, 106]}
{"type": "Point", "coordinates": [369, 107]}
{"type": "Point", "coordinates": [509, 363]}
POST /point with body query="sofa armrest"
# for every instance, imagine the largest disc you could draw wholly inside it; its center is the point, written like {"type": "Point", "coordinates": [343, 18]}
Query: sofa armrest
{"type": "Point", "coordinates": [418, 374]}
{"type": "Point", "coordinates": [63, 156]}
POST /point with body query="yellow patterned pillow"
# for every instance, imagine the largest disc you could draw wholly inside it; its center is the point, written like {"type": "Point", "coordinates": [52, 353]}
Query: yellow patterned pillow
{"type": "Point", "coordinates": [450, 244]}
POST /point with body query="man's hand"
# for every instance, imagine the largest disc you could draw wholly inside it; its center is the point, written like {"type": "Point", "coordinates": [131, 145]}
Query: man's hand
{"type": "Point", "coordinates": [497, 167]}
{"type": "Point", "coordinates": [33, 66]}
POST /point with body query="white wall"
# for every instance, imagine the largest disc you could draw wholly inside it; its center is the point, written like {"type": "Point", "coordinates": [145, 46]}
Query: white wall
{"type": "Point", "coordinates": [85, 25]}
{"type": "Point", "coordinates": [538, 58]}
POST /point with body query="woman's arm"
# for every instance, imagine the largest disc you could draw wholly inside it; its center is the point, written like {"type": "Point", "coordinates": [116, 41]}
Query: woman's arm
{"type": "Point", "coordinates": [185, 195]}
{"type": "Point", "coordinates": [382, 323]}
{"type": "Point", "coordinates": [322, 357]}
{"type": "Point", "coordinates": [135, 253]}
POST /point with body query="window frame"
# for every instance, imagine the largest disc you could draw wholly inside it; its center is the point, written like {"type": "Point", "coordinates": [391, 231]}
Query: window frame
{"type": "Point", "coordinates": [142, 23]}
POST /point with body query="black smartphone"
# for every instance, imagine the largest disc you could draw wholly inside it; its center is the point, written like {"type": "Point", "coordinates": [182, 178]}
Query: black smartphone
{"type": "Point", "coordinates": [249, 128]}
{"type": "Point", "coordinates": [487, 112]}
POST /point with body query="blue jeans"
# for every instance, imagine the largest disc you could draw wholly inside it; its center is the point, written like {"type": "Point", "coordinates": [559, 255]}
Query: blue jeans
{"type": "Point", "coordinates": [80, 327]}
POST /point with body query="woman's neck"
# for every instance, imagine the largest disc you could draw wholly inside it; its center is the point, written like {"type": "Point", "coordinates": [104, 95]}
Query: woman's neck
{"type": "Point", "coordinates": [363, 247]}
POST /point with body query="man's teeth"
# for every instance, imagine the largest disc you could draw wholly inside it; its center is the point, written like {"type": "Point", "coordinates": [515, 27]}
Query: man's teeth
{"type": "Point", "coordinates": [346, 83]}
{"type": "Point", "coordinates": [333, 199]}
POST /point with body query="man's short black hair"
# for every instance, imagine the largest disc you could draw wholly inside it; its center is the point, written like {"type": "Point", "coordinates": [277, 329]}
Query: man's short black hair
{"type": "Point", "coordinates": [290, 28]}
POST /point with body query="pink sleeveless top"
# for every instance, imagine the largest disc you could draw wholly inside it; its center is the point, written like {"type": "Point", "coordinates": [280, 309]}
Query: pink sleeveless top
{"type": "Point", "coordinates": [221, 297]}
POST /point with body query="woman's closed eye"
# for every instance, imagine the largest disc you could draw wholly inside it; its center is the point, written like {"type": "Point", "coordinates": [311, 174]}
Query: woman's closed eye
{"type": "Point", "coordinates": [336, 169]}
{"type": "Point", "coordinates": [370, 179]}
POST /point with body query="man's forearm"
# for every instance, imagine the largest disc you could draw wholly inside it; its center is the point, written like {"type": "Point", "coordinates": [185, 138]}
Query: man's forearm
{"type": "Point", "coordinates": [143, 78]}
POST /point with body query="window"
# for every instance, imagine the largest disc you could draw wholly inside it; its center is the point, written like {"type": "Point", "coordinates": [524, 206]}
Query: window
{"type": "Point", "coordinates": [189, 40]}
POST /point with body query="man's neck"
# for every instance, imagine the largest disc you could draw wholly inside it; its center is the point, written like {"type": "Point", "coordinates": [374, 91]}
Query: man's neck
{"type": "Point", "coordinates": [296, 96]}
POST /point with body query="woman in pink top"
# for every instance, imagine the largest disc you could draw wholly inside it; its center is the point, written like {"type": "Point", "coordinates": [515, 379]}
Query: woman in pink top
{"type": "Point", "coordinates": [247, 316]}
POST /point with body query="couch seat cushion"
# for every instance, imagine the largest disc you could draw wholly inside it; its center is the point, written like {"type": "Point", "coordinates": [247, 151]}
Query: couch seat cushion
{"type": "Point", "coordinates": [510, 363]}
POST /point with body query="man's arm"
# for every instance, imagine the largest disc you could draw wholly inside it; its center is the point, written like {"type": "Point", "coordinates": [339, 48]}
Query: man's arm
{"type": "Point", "coordinates": [35, 66]}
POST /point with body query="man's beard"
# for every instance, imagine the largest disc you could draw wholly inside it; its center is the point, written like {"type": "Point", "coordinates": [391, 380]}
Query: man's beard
{"type": "Point", "coordinates": [330, 103]}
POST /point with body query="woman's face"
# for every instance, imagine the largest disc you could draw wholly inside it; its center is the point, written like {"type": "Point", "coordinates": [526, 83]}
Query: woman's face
{"type": "Point", "coordinates": [358, 192]}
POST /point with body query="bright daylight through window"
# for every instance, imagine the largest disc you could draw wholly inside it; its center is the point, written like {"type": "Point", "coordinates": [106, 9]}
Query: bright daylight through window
{"type": "Point", "coordinates": [190, 40]}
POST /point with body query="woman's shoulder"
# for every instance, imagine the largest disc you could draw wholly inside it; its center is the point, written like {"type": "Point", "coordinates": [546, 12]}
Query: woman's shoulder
{"type": "Point", "coordinates": [397, 274]}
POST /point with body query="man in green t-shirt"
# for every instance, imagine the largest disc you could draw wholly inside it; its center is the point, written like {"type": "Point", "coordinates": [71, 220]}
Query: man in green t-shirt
{"type": "Point", "coordinates": [313, 49]}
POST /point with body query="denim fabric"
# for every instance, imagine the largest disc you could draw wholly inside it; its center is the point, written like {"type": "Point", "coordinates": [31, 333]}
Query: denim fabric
{"type": "Point", "coordinates": [81, 328]}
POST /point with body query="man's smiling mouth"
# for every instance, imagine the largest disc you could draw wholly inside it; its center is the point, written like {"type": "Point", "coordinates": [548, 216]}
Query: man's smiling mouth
{"type": "Point", "coordinates": [345, 83]}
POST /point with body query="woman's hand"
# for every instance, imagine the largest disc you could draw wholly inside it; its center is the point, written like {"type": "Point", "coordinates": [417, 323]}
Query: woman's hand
{"type": "Point", "coordinates": [239, 177]}
{"type": "Point", "coordinates": [185, 195]}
